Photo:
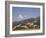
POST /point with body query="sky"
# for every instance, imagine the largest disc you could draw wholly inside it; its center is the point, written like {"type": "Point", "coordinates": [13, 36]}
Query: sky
{"type": "Point", "coordinates": [21, 13]}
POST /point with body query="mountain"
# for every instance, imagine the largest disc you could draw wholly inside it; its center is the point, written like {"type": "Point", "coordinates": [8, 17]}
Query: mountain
{"type": "Point", "coordinates": [24, 22]}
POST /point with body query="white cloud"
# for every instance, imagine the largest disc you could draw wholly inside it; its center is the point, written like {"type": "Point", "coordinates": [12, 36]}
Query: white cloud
{"type": "Point", "coordinates": [20, 16]}
{"type": "Point", "coordinates": [25, 16]}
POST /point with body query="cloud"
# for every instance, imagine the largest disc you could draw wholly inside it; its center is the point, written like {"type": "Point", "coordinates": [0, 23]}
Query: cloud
{"type": "Point", "coordinates": [20, 16]}
{"type": "Point", "coordinates": [25, 16]}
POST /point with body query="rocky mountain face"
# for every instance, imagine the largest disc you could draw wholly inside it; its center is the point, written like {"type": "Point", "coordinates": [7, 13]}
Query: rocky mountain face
{"type": "Point", "coordinates": [31, 23]}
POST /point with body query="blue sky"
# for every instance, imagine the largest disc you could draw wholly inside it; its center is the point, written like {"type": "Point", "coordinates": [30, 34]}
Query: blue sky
{"type": "Point", "coordinates": [21, 13]}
